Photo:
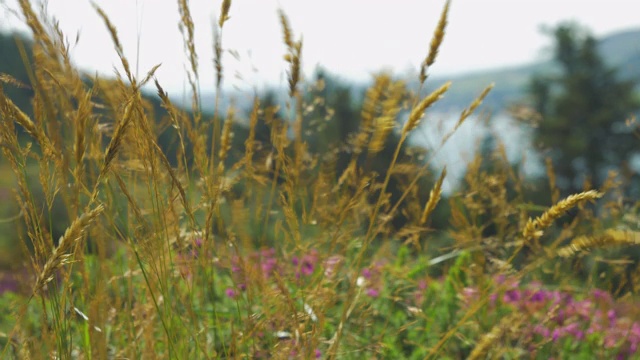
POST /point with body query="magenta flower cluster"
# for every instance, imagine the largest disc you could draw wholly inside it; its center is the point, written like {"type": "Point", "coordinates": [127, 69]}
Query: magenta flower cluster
{"type": "Point", "coordinates": [560, 316]}
{"type": "Point", "coordinates": [373, 279]}
{"type": "Point", "coordinates": [263, 264]}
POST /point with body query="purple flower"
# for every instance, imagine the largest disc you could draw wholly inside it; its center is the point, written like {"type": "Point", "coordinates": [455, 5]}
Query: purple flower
{"type": "Point", "coordinates": [231, 293]}
{"type": "Point", "coordinates": [560, 317]}
{"type": "Point", "coordinates": [574, 329]}
{"type": "Point", "coordinates": [541, 330]}
{"type": "Point", "coordinates": [611, 316]}
{"type": "Point", "coordinates": [366, 272]}
{"type": "Point", "coordinates": [307, 268]}
{"type": "Point", "coordinates": [318, 354]}
{"type": "Point", "coordinates": [583, 308]}
{"type": "Point", "coordinates": [306, 265]}
{"type": "Point", "coordinates": [511, 296]}
{"type": "Point", "coordinates": [635, 330]}
{"type": "Point", "coordinates": [268, 265]}
{"type": "Point", "coordinates": [372, 292]}
{"type": "Point", "coordinates": [601, 295]}
{"type": "Point", "coordinates": [539, 296]}
{"type": "Point", "coordinates": [235, 264]}
{"type": "Point", "coordinates": [422, 284]}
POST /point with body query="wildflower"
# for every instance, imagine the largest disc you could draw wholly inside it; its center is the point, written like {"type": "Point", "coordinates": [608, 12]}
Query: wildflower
{"type": "Point", "coordinates": [197, 242]}
{"type": "Point", "coordinates": [584, 309]}
{"type": "Point", "coordinates": [231, 293]}
{"type": "Point", "coordinates": [306, 265]}
{"type": "Point", "coordinates": [511, 296]}
{"type": "Point", "coordinates": [541, 330]}
{"type": "Point", "coordinates": [602, 295]}
{"type": "Point", "coordinates": [539, 296]}
{"type": "Point", "coordinates": [574, 329]}
{"type": "Point", "coordinates": [366, 272]}
{"type": "Point", "coordinates": [268, 265]}
{"type": "Point", "coordinates": [372, 292]}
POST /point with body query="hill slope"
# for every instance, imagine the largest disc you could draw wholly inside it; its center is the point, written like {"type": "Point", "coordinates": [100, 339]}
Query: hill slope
{"type": "Point", "coordinates": [620, 50]}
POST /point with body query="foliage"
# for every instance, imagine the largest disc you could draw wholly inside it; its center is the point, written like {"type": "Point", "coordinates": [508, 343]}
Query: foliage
{"type": "Point", "coordinates": [583, 111]}
{"type": "Point", "coordinates": [280, 246]}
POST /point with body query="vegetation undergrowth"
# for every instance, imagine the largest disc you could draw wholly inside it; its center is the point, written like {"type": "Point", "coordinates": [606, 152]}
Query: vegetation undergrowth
{"type": "Point", "coordinates": [280, 249]}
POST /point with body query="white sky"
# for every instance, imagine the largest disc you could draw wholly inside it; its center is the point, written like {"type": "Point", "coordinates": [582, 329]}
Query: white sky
{"type": "Point", "coordinates": [348, 37]}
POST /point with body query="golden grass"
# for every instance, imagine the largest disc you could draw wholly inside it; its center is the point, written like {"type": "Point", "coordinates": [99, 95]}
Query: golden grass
{"type": "Point", "coordinates": [534, 228]}
{"type": "Point", "coordinates": [434, 198]}
{"type": "Point", "coordinates": [61, 254]}
{"type": "Point", "coordinates": [176, 243]}
{"type": "Point", "coordinates": [610, 238]}
{"type": "Point", "coordinates": [436, 41]}
{"type": "Point", "coordinates": [417, 113]}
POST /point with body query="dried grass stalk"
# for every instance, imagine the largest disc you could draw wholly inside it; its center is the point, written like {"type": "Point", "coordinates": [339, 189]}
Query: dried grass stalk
{"type": "Point", "coordinates": [294, 53]}
{"type": "Point", "coordinates": [611, 237]}
{"type": "Point", "coordinates": [434, 197]}
{"type": "Point", "coordinates": [116, 41]}
{"type": "Point", "coordinates": [217, 58]}
{"type": "Point", "coordinates": [186, 23]}
{"type": "Point", "coordinates": [84, 113]}
{"type": "Point", "coordinates": [369, 109]}
{"type": "Point", "coordinates": [474, 105]}
{"type": "Point", "coordinates": [418, 112]}
{"type": "Point", "coordinates": [534, 228]}
{"type": "Point", "coordinates": [286, 29]}
{"type": "Point", "coordinates": [436, 41]}
{"type": "Point", "coordinates": [551, 174]}
{"type": "Point", "coordinates": [489, 340]}
{"type": "Point", "coordinates": [9, 110]}
{"type": "Point", "coordinates": [225, 140]}
{"type": "Point", "coordinates": [467, 112]}
{"type": "Point", "coordinates": [61, 255]}
{"type": "Point", "coordinates": [391, 106]}
{"type": "Point", "coordinates": [249, 144]}
{"type": "Point", "coordinates": [224, 12]}
{"type": "Point", "coordinates": [116, 140]}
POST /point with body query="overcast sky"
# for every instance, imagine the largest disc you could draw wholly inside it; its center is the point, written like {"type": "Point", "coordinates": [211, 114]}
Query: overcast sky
{"type": "Point", "coordinates": [348, 37]}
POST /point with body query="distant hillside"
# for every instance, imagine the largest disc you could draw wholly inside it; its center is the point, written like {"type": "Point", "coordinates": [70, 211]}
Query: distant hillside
{"type": "Point", "coordinates": [620, 50]}
{"type": "Point", "coordinates": [13, 64]}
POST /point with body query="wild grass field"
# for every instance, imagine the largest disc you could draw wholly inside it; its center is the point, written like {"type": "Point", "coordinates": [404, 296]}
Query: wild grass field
{"type": "Point", "coordinates": [274, 251]}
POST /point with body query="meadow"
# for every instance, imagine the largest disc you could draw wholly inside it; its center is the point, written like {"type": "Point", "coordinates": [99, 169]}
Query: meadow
{"type": "Point", "coordinates": [271, 250]}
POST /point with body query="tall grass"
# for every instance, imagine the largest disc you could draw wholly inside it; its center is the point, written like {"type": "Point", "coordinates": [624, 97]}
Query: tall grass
{"type": "Point", "coordinates": [274, 254]}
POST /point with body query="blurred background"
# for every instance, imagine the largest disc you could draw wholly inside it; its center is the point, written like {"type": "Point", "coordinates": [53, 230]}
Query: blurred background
{"type": "Point", "coordinates": [554, 64]}
{"type": "Point", "coordinates": [488, 41]}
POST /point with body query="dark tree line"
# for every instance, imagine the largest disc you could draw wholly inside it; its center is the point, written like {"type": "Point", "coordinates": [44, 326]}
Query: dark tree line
{"type": "Point", "coordinates": [583, 107]}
